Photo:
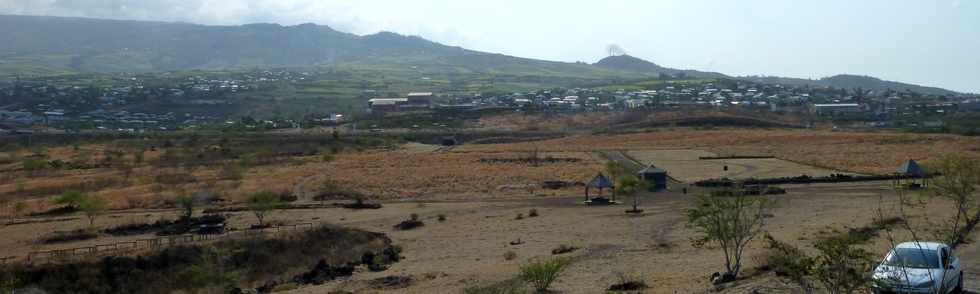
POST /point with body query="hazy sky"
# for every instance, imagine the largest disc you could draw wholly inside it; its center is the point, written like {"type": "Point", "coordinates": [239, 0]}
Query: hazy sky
{"type": "Point", "coordinates": [931, 42]}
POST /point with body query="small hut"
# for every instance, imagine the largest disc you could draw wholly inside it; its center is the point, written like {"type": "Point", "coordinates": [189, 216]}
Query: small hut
{"type": "Point", "coordinates": [602, 182]}
{"type": "Point", "coordinates": [656, 178]}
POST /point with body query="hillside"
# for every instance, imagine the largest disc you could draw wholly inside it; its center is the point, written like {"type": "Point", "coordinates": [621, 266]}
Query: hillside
{"type": "Point", "coordinates": [847, 81]}
{"type": "Point", "coordinates": [634, 64]}
{"type": "Point", "coordinates": [37, 45]}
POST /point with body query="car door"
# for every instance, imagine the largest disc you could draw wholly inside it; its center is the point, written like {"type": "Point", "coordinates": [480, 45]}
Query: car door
{"type": "Point", "coordinates": [950, 269]}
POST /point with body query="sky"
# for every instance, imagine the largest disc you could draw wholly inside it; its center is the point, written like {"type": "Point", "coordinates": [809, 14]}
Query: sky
{"type": "Point", "coordinates": [928, 42]}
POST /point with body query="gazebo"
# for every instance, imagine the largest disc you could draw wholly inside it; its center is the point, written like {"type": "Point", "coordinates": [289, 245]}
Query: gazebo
{"type": "Point", "coordinates": [602, 182]}
{"type": "Point", "coordinates": [911, 169]}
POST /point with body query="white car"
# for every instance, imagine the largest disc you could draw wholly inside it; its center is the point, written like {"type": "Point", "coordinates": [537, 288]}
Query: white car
{"type": "Point", "coordinates": [918, 267]}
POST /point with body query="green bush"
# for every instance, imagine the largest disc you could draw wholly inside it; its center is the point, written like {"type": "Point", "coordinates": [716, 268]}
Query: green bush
{"type": "Point", "coordinates": [71, 199]}
{"type": "Point", "coordinates": [34, 164]}
{"type": "Point", "coordinates": [542, 273]}
{"type": "Point", "coordinates": [262, 203]}
{"type": "Point", "coordinates": [788, 261]}
{"type": "Point", "coordinates": [842, 266]}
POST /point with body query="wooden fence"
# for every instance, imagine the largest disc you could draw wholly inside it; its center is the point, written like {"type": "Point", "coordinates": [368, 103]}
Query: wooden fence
{"type": "Point", "coordinates": [143, 245]}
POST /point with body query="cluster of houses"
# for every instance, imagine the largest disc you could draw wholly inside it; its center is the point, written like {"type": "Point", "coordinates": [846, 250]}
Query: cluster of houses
{"type": "Point", "coordinates": [877, 108]}
{"type": "Point", "coordinates": [55, 101]}
{"type": "Point", "coordinates": [868, 105]}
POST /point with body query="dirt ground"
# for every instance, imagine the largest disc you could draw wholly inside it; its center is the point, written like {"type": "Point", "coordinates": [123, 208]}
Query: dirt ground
{"type": "Point", "coordinates": [685, 165]}
{"type": "Point", "coordinates": [468, 248]}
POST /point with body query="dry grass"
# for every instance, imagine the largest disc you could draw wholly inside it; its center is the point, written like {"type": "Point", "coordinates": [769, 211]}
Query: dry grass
{"type": "Point", "coordinates": [416, 173]}
{"type": "Point", "coordinates": [405, 175]}
{"type": "Point", "coordinates": [591, 120]}
{"type": "Point", "coordinates": [379, 173]}
{"type": "Point", "coordinates": [861, 152]}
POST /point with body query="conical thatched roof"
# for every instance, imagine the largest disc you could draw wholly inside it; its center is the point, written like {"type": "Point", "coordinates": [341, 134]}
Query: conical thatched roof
{"type": "Point", "coordinates": [910, 167]}
{"type": "Point", "coordinates": [601, 181]}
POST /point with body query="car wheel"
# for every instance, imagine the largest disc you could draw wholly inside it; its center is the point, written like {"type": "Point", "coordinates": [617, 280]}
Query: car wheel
{"type": "Point", "coordinates": [959, 285]}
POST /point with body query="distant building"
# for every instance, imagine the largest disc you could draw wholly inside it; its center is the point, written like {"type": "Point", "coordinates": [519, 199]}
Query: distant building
{"type": "Point", "coordinates": [655, 177]}
{"type": "Point", "coordinates": [386, 104]}
{"type": "Point", "coordinates": [970, 105]}
{"type": "Point", "coordinates": [418, 100]}
{"type": "Point", "coordinates": [836, 109]}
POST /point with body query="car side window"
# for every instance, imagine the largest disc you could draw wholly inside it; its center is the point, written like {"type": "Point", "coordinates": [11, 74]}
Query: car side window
{"type": "Point", "coordinates": [944, 257]}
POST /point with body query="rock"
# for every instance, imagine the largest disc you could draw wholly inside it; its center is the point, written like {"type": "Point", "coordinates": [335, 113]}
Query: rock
{"type": "Point", "coordinates": [719, 278]}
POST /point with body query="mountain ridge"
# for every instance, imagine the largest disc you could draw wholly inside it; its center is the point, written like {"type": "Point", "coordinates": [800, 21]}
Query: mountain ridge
{"type": "Point", "coordinates": [45, 44]}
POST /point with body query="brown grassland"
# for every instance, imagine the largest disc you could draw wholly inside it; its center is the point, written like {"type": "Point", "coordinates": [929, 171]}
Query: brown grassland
{"type": "Point", "coordinates": [408, 173]}
{"type": "Point", "coordinates": [470, 207]}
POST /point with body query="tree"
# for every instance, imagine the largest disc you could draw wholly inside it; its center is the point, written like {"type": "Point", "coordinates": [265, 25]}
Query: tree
{"type": "Point", "coordinates": [93, 207]}
{"type": "Point", "coordinates": [729, 221]}
{"type": "Point", "coordinates": [261, 204]}
{"type": "Point", "coordinates": [957, 183]}
{"type": "Point", "coordinates": [186, 204]}
{"type": "Point", "coordinates": [615, 169]}
{"type": "Point", "coordinates": [629, 185]}
{"type": "Point", "coordinates": [71, 199]}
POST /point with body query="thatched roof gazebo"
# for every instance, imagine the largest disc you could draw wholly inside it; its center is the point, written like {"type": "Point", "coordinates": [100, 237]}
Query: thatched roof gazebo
{"type": "Point", "coordinates": [911, 170]}
{"type": "Point", "coordinates": [601, 182]}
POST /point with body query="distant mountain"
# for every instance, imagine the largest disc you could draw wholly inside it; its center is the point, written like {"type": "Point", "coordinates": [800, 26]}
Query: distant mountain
{"type": "Point", "coordinates": [115, 45]}
{"type": "Point", "coordinates": [633, 64]}
{"type": "Point", "coordinates": [39, 45]}
{"type": "Point", "coordinates": [42, 45]}
{"type": "Point", "coordinates": [847, 81]}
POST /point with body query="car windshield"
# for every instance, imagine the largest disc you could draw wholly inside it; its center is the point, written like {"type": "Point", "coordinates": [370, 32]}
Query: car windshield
{"type": "Point", "coordinates": [913, 258]}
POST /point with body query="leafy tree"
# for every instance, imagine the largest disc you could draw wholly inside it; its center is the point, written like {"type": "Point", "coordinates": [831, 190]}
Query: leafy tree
{"type": "Point", "coordinates": [629, 185]}
{"type": "Point", "coordinates": [186, 204]}
{"type": "Point", "coordinates": [615, 169]}
{"type": "Point", "coordinates": [71, 199]}
{"type": "Point", "coordinates": [729, 221]}
{"type": "Point", "coordinates": [261, 204]}
{"type": "Point", "coordinates": [93, 207]}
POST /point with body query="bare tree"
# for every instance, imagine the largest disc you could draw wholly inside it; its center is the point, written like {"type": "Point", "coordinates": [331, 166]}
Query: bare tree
{"type": "Point", "coordinates": [956, 183]}
{"type": "Point", "coordinates": [731, 222]}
